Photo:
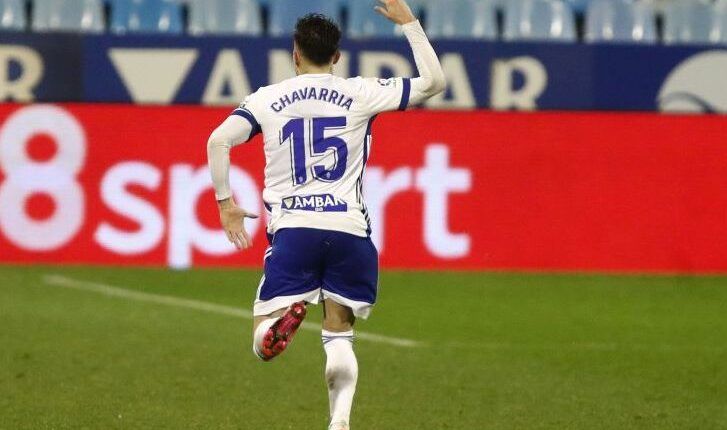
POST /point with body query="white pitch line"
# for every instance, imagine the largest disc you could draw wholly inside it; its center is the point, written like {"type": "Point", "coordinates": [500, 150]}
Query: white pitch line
{"type": "Point", "coordinates": [139, 296]}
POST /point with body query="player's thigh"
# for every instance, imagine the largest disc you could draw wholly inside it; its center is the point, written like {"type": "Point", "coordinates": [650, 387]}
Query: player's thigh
{"type": "Point", "coordinates": [292, 270]}
{"type": "Point", "coordinates": [337, 317]}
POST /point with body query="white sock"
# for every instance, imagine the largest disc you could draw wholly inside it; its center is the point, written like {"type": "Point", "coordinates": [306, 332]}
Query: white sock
{"type": "Point", "coordinates": [341, 373]}
{"type": "Point", "coordinates": [259, 335]}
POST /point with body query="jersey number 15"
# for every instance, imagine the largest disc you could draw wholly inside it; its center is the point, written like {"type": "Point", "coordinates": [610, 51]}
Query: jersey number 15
{"type": "Point", "coordinates": [295, 132]}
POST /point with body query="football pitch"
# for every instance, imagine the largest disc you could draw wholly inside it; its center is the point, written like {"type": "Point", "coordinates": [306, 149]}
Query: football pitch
{"type": "Point", "coordinates": [108, 348]}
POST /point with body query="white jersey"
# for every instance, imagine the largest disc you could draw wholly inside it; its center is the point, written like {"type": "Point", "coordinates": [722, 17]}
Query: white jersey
{"type": "Point", "coordinates": [317, 130]}
{"type": "Point", "coordinates": [317, 133]}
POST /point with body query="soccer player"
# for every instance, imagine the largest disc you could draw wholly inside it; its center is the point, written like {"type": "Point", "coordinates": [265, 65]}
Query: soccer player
{"type": "Point", "coordinates": [317, 139]}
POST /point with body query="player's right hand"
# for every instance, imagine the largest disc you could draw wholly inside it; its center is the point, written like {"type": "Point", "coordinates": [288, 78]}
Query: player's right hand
{"type": "Point", "coordinates": [232, 218]}
{"type": "Point", "coordinates": [397, 11]}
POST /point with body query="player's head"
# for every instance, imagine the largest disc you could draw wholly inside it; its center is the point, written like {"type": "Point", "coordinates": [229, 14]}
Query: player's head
{"type": "Point", "coordinates": [316, 42]}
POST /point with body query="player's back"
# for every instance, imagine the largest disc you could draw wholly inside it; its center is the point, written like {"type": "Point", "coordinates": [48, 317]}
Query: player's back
{"type": "Point", "coordinates": [317, 133]}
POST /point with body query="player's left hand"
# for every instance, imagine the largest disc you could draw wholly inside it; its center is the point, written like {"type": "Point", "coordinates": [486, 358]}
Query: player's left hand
{"type": "Point", "coordinates": [232, 218]}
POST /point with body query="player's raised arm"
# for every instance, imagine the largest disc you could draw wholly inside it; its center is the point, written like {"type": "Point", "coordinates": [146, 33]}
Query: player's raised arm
{"type": "Point", "coordinates": [235, 130]}
{"type": "Point", "coordinates": [431, 80]}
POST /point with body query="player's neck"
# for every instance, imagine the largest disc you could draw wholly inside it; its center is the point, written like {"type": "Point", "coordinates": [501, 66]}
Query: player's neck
{"type": "Point", "coordinates": [309, 69]}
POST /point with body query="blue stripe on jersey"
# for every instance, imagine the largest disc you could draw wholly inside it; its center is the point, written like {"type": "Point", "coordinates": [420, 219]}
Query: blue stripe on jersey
{"type": "Point", "coordinates": [366, 144]}
{"type": "Point", "coordinates": [405, 93]}
{"type": "Point", "coordinates": [367, 139]}
{"type": "Point", "coordinates": [256, 129]}
{"type": "Point", "coordinates": [359, 182]}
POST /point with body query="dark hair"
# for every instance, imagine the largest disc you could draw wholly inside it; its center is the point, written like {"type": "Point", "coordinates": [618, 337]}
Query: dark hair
{"type": "Point", "coordinates": [317, 38]}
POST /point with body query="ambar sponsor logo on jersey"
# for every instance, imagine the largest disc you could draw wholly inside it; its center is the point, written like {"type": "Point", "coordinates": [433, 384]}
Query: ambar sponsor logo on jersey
{"type": "Point", "coordinates": [315, 203]}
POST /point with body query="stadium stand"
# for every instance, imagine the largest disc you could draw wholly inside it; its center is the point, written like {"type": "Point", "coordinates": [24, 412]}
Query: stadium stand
{"type": "Point", "coordinates": [364, 21]}
{"type": "Point", "coordinates": [462, 19]}
{"type": "Point", "coordinates": [672, 22]}
{"type": "Point", "coordinates": [721, 21]}
{"type": "Point", "coordinates": [541, 20]}
{"type": "Point", "coordinates": [579, 6]}
{"type": "Point", "coordinates": [689, 22]}
{"type": "Point", "coordinates": [84, 16]}
{"type": "Point", "coordinates": [12, 15]}
{"type": "Point", "coordinates": [225, 17]}
{"type": "Point", "coordinates": [146, 16]}
{"type": "Point", "coordinates": [285, 13]}
{"type": "Point", "coordinates": [620, 21]}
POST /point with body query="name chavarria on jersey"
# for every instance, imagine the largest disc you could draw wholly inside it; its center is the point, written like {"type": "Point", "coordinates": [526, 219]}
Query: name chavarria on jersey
{"type": "Point", "coordinates": [312, 93]}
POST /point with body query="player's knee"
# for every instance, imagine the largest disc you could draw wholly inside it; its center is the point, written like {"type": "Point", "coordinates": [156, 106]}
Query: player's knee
{"type": "Point", "coordinates": [337, 318]}
{"type": "Point", "coordinates": [337, 325]}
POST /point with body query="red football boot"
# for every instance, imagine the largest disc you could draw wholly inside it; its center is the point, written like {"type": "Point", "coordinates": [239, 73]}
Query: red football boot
{"type": "Point", "coordinates": [280, 334]}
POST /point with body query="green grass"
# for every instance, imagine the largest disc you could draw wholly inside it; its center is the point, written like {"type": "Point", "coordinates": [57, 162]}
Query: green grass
{"type": "Point", "coordinates": [499, 351]}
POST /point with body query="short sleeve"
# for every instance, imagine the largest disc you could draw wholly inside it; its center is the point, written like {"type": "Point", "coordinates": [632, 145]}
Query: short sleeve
{"type": "Point", "coordinates": [247, 111]}
{"type": "Point", "coordinates": [384, 95]}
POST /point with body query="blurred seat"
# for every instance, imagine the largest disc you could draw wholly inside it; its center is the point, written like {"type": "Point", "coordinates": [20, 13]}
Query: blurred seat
{"type": "Point", "coordinates": [621, 21]}
{"type": "Point", "coordinates": [720, 30]}
{"type": "Point", "coordinates": [417, 6]}
{"type": "Point", "coordinates": [146, 16]}
{"type": "Point", "coordinates": [544, 20]}
{"type": "Point", "coordinates": [364, 21]}
{"type": "Point", "coordinates": [461, 19]}
{"type": "Point", "coordinates": [579, 6]}
{"type": "Point", "coordinates": [12, 15]}
{"type": "Point", "coordinates": [499, 4]}
{"type": "Point", "coordinates": [225, 17]}
{"type": "Point", "coordinates": [68, 15]}
{"type": "Point", "coordinates": [285, 13]}
{"type": "Point", "coordinates": [689, 22]}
